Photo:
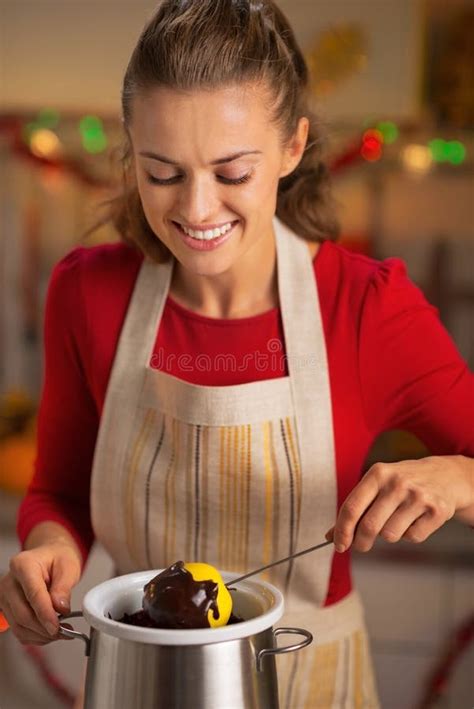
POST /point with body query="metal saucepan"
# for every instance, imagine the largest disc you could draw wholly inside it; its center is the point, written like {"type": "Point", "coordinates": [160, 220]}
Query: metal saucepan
{"type": "Point", "coordinates": [232, 666]}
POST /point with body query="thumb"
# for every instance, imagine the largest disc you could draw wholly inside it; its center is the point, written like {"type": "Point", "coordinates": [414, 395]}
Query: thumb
{"type": "Point", "coordinates": [63, 577]}
{"type": "Point", "coordinates": [330, 535]}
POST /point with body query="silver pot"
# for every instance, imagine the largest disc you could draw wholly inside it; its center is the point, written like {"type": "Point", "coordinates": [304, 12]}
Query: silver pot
{"type": "Point", "coordinates": [232, 667]}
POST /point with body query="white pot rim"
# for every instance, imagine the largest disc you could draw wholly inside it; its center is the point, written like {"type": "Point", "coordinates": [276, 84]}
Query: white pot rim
{"type": "Point", "coordinates": [99, 599]}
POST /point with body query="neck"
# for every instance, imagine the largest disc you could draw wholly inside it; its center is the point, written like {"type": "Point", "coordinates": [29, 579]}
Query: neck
{"type": "Point", "coordinates": [247, 288]}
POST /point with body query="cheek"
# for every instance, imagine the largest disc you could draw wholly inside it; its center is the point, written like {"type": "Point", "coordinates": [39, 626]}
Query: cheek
{"type": "Point", "coordinates": [155, 202]}
{"type": "Point", "coordinates": [258, 193]}
{"type": "Point", "coordinates": [267, 184]}
{"type": "Point", "coordinates": [154, 210]}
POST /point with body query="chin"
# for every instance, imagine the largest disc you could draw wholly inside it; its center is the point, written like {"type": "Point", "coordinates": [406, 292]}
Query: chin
{"type": "Point", "coordinates": [207, 265]}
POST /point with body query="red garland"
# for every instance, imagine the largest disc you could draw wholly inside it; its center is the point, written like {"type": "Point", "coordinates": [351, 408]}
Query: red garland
{"type": "Point", "coordinates": [350, 156]}
{"type": "Point", "coordinates": [13, 126]}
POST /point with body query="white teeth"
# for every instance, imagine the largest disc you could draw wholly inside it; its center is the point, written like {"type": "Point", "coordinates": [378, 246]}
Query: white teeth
{"type": "Point", "coordinates": [209, 234]}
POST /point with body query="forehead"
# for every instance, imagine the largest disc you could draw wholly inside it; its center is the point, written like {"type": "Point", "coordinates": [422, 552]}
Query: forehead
{"type": "Point", "coordinates": [207, 122]}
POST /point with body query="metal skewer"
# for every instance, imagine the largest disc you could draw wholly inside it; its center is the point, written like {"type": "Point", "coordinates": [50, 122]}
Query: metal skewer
{"type": "Point", "coordinates": [274, 563]}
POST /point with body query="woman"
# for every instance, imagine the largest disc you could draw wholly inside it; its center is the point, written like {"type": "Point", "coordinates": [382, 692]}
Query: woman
{"type": "Point", "coordinates": [213, 384]}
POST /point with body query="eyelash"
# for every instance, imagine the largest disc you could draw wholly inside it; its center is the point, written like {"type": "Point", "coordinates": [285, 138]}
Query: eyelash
{"type": "Point", "coordinates": [172, 180]}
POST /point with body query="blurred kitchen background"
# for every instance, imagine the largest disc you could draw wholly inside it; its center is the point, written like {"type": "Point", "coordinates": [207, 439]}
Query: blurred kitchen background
{"type": "Point", "coordinates": [393, 82]}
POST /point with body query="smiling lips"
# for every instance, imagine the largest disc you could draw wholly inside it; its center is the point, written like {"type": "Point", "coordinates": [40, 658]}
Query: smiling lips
{"type": "Point", "coordinates": [208, 234]}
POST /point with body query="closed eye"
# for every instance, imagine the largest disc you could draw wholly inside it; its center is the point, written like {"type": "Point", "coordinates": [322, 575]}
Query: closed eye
{"type": "Point", "coordinates": [173, 180]}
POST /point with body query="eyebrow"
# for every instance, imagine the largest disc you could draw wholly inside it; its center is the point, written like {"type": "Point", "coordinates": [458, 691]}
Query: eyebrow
{"type": "Point", "coordinates": [219, 161]}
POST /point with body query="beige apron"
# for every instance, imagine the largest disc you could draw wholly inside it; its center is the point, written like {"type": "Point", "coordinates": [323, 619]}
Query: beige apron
{"type": "Point", "coordinates": [235, 476]}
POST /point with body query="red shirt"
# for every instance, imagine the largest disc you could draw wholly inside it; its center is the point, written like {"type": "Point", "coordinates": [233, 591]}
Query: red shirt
{"type": "Point", "coordinates": [391, 365]}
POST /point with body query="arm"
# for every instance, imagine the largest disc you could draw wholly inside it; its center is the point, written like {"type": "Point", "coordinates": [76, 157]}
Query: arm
{"type": "Point", "coordinates": [412, 377]}
{"type": "Point", "coordinates": [53, 522]}
{"type": "Point", "coordinates": [67, 421]}
{"type": "Point", "coordinates": [465, 510]}
{"type": "Point", "coordinates": [51, 533]}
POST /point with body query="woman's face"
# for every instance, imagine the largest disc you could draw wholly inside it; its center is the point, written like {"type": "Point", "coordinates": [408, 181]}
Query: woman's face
{"type": "Point", "coordinates": [209, 160]}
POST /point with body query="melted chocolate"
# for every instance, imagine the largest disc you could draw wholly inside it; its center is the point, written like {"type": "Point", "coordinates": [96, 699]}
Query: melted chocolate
{"type": "Point", "coordinates": [173, 599]}
{"type": "Point", "coordinates": [140, 618]}
{"type": "Point", "coordinates": [143, 620]}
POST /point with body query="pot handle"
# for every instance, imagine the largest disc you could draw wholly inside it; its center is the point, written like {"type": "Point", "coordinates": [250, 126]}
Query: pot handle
{"type": "Point", "coordinates": [308, 638]}
{"type": "Point", "coordinates": [74, 633]}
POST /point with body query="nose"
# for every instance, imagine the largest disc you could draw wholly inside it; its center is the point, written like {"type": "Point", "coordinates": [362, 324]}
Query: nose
{"type": "Point", "coordinates": [198, 201]}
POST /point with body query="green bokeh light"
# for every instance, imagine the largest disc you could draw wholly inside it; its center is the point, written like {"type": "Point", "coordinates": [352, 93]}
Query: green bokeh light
{"type": "Point", "coordinates": [92, 133]}
{"type": "Point", "coordinates": [452, 151]}
{"type": "Point", "coordinates": [95, 144]}
{"type": "Point", "coordinates": [456, 152]}
{"type": "Point", "coordinates": [437, 147]}
{"type": "Point", "coordinates": [389, 131]}
{"type": "Point", "coordinates": [90, 124]}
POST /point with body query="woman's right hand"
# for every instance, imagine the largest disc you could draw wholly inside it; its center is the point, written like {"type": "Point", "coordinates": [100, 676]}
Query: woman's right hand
{"type": "Point", "coordinates": [37, 588]}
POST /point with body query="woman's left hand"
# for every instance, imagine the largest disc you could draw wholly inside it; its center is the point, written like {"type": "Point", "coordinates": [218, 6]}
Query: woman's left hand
{"type": "Point", "coordinates": [407, 500]}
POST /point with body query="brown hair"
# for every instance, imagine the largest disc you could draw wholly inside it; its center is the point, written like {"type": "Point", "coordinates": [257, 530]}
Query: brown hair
{"type": "Point", "coordinates": [208, 44]}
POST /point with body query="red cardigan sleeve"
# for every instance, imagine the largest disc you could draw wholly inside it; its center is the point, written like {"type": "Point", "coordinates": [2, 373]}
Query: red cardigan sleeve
{"type": "Point", "coordinates": [412, 377]}
{"type": "Point", "coordinates": [68, 419]}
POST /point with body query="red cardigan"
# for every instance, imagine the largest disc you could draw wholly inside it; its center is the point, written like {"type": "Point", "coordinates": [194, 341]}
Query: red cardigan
{"type": "Point", "coordinates": [391, 365]}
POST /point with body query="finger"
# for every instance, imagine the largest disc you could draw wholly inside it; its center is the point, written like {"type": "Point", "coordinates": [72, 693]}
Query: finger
{"type": "Point", "coordinates": [377, 516]}
{"type": "Point", "coordinates": [64, 576]}
{"type": "Point", "coordinates": [400, 521]}
{"type": "Point", "coordinates": [29, 575]}
{"type": "Point", "coordinates": [330, 535]}
{"type": "Point", "coordinates": [423, 527]}
{"type": "Point", "coordinates": [24, 635]}
{"type": "Point", "coordinates": [23, 614]}
{"type": "Point", "coordinates": [352, 509]}
{"type": "Point", "coordinates": [413, 521]}
{"type": "Point", "coordinates": [28, 637]}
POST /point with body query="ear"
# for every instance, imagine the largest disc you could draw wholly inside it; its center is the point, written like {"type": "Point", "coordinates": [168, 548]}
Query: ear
{"type": "Point", "coordinates": [295, 148]}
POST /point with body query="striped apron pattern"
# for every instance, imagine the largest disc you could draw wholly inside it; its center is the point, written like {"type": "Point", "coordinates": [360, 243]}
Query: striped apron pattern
{"type": "Point", "coordinates": [235, 476]}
